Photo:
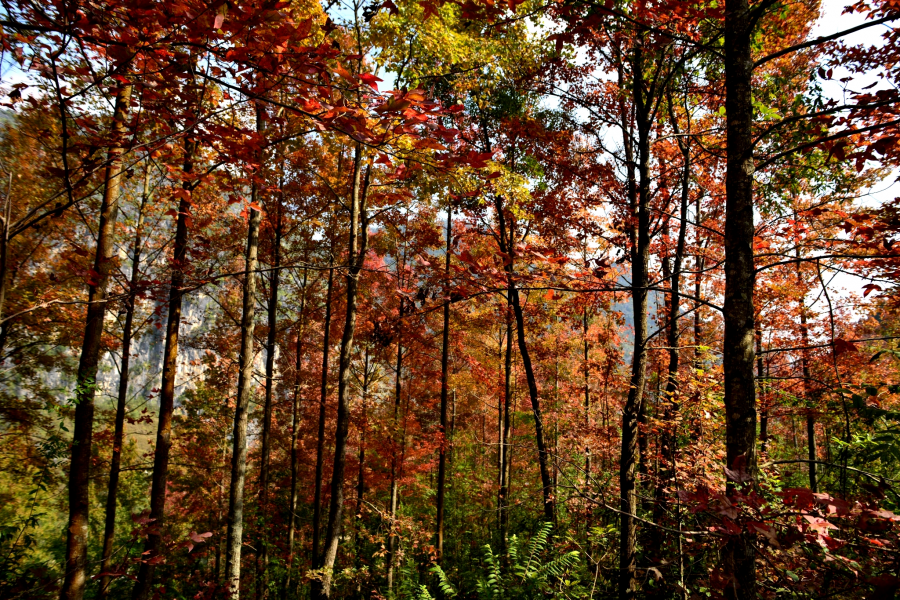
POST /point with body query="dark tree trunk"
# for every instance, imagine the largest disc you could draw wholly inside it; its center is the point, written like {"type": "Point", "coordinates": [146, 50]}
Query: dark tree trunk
{"type": "Point", "coordinates": [812, 454]}
{"type": "Point", "coordinates": [295, 436]}
{"type": "Point", "coordinates": [396, 453]}
{"type": "Point", "coordinates": [587, 400]}
{"type": "Point", "coordinates": [763, 409]}
{"type": "Point", "coordinates": [672, 400]}
{"type": "Point", "coordinates": [4, 262]}
{"type": "Point", "coordinates": [699, 263]}
{"type": "Point", "coordinates": [505, 409]}
{"type": "Point", "coordinates": [167, 389]}
{"type": "Point", "coordinates": [109, 529]}
{"type": "Point", "coordinates": [639, 198]}
{"type": "Point", "coordinates": [320, 439]}
{"type": "Point", "coordinates": [445, 362]}
{"type": "Point", "coordinates": [506, 239]}
{"type": "Point", "coordinates": [234, 538]}
{"type": "Point", "coordinates": [738, 352]}
{"type": "Point", "coordinates": [361, 474]}
{"type": "Point", "coordinates": [356, 255]}
{"type": "Point", "coordinates": [86, 380]}
{"type": "Point", "coordinates": [262, 566]}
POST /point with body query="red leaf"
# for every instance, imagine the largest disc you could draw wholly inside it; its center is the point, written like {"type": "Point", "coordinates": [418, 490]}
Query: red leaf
{"type": "Point", "coordinates": [842, 346]}
{"type": "Point", "coordinates": [869, 288]}
{"type": "Point", "coordinates": [371, 80]}
{"type": "Point", "coordinates": [200, 537]}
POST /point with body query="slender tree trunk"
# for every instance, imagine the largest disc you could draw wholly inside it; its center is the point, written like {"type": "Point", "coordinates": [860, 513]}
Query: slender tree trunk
{"type": "Point", "coordinates": [587, 400]}
{"type": "Point", "coordinates": [672, 400]}
{"type": "Point", "coordinates": [500, 447]}
{"type": "Point", "coordinates": [361, 475]}
{"type": "Point", "coordinates": [812, 453]}
{"type": "Point", "coordinates": [763, 409]}
{"type": "Point", "coordinates": [445, 362]}
{"type": "Point", "coordinates": [631, 413]}
{"type": "Point", "coordinates": [356, 256]}
{"type": "Point", "coordinates": [505, 409]}
{"type": "Point", "coordinates": [234, 542]}
{"type": "Point", "coordinates": [738, 355]}
{"type": "Point", "coordinates": [804, 362]}
{"type": "Point", "coordinates": [262, 566]}
{"type": "Point", "coordinates": [4, 262]}
{"type": "Point", "coordinates": [160, 476]}
{"type": "Point", "coordinates": [86, 380]}
{"type": "Point", "coordinates": [507, 246]}
{"type": "Point", "coordinates": [295, 435]}
{"type": "Point", "coordinates": [395, 454]}
{"type": "Point", "coordinates": [320, 439]}
{"type": "Point", "coordinates": [109, 530]}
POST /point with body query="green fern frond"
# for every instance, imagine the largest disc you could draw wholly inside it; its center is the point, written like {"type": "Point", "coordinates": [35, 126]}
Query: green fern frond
{"type": "Point", "coordinates": [537, 545]}
{"type": "Point", "coordinates": [443, 582]}
{"type": "Point", "coordinates": [512, 552]}
{"type": "Point", "coordinates": [558, 566]}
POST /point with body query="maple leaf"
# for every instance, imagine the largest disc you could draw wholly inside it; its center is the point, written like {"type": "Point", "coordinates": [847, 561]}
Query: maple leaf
{"type": "Point", "coordinates": [428, 144]}
{"type": "Point", "coordinates": [370, 80]}
{"type": "Point", "coordinates": [869, 288]}
{"type": "Point", "coordinates": [842, 346]}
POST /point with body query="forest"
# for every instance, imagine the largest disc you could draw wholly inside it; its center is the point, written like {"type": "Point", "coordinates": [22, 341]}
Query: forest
{"type": "Point", "coordinates": [436, 299]}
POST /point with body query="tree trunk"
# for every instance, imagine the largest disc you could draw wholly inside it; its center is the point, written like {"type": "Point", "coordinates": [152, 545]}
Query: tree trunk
{"type": "Point", "coordinates": [737, 354]}
{"type": "Point", "coordinates": [395, 464]}
{"type": "Point", "coordinates": [356, 256]}
{"type": "Point", "coordinates": [86, 380]}
{"type": "Point", "coordinates": [587, 400]}
{"type": "Point", "coordinates": [234, 541]}
{"type": "Point", "coordinates": [262, 566]}
{"type": "Point", "coordinates": [160, 476]}
{"type": "Point", "coordinates": [361, 474]}
{"type": "Point", "coordinates": [320, 439]}
{"type": "Point", "coordinates": [639, 198]}
{"type": "Point", "coordinates": [672, 400]}
{"type": "Point", "coordinates": [445, 362]}
{"type": "Point", "coordinates": [764, 409]}
{"type": "Point", "coordinates": [505, 408]}
{"type": "Point", "coordinates": [295, 435]}
{"type": "Point", "coordinates": [804, 362]}
{"type": "Point", "coordinates": [699, 264]}
{"type": "Point", "coordinates": [109, 530]}
{"type": "Point", "coordinates": [4, 262]}
{"type": "Point", "coordinates": [507, 246]}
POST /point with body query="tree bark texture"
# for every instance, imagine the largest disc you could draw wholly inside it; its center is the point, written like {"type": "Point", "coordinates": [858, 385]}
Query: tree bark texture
{"type": "Point", "coordinates": [86, 379]}
{"type": "Point", "coordinates": [160, 476]}
{"type": "Point", "coordinates": [507, 246]}
{"type": "Point", "coordinates": [262, 566]}
{"type": "Point", "coordinates": [738, 350]}
{"type": "Point", "coordinates": [109, 529]}
{"type": "Point", "coordinates": [445, 362]}
{"type": "Point", "coordinates": [639, 198]}
{"type": "Point", "coordinates": [356, 256]}
{"type": "Point", "coordinates": [235, 519]}
{"type": "Point", "coordinates": [671, 400]}
{"type": "Point", "coordinates": [295, 435]}
{"type": "Point", "coordinates": [316, 560]}
{"type": "Point", "coordinates": [396, 453]}
{"type": "Point", "coordinates": [505, 408]}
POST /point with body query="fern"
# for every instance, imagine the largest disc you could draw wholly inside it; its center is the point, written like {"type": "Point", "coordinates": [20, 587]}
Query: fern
{"type": "Point", "coordinates": [558, 566]}
{"type": "Point", "coordinates": [443, 582]}
{"type": "Point", "coordinates": [528, 574]}
{"type": "Point", "coordinates": [537, 545]}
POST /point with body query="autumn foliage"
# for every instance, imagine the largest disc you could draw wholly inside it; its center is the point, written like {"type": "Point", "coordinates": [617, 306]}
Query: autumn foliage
{"type": "Point", "coordinates": [423, 299]}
